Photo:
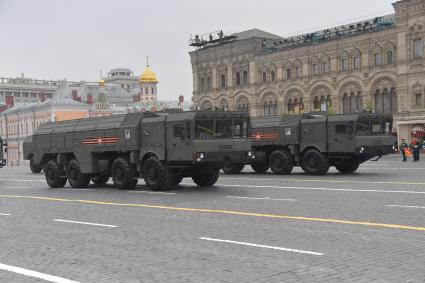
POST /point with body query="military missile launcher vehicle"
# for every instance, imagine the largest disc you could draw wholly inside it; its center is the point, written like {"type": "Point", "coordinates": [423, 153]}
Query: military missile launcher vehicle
{"type": "Point", "coordinates": [2, 151]}
{"type": "Point", "coordinates": [162, 148]}
{"type": "Point", "coordinates": [317, 141]}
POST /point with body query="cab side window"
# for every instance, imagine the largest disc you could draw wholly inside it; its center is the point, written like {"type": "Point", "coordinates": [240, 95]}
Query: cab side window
{"type": "Point", "coordinates": [343, 129]}
{"type": "Point", "coordinates": [181, 131]}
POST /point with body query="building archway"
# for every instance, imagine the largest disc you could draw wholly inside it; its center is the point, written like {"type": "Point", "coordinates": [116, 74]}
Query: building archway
{"type": "Point", "coordinates": [385, 97]}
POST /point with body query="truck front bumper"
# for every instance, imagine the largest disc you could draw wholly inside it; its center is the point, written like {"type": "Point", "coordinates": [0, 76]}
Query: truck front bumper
{"type": "Point", "coordinates": [243, 157]}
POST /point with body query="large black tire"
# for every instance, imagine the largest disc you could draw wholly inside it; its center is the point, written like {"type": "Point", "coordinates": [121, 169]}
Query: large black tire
{"type": "Point", "coordinates": [34, 167]}
{"type": "Point", "coordinates": [77, 179]}
{"type": "Point", "coordinates": [315, 163]}
{"type": "Point", "coordinates": [347, 167]}
{"type": "Point", "coordinates": [157, 176]}
{"type": "Point", "coordinates": [100, 179]}
{"type": "Point", "coordinates": [53, 175]}
{"type": "Point", "coordinates": [176, 179]}
{"type": "Point", "coordinates": [206, 178]}
{"type": "Point", "coordinates": [281, 162]}
{"type": "Point", "coordinates": [124, 174]}
{"type": "Point", "coordinates": [233, 168]}
{"type": "Point", "coordinates": [260, 167]}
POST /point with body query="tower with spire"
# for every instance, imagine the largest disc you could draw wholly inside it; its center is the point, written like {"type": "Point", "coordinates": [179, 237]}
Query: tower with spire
{"type": "Point", "coordinates": [101, 107]}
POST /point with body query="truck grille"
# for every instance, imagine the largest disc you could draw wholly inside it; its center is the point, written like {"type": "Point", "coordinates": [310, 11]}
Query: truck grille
{"type": "Point", "coordinates": [225, 147]}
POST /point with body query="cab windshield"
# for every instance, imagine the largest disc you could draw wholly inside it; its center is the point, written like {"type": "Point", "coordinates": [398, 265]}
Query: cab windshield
{"type": "Point", "coordinates": [374, 127]}
{"type": "Point", "coordinates": [221, 129]}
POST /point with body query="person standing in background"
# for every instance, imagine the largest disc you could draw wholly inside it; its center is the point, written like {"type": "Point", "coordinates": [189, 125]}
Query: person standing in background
{"type": "Point", "coordinates": [403, 147]}
{"type": "Point", "coordinates": [415, 147]}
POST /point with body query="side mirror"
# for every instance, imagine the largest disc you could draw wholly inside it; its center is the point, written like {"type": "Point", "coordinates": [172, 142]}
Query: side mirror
{"type": "Point", "coordinates": [5, 144]}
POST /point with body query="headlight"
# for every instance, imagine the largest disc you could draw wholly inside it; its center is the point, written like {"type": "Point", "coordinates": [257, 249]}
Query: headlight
{"type": "Point", "coordinates": [198, 156]}
{"type": "Point", "coordinates": [361, 149]}
{"type": "Point", "coordinates": [201, 155]}
{"type": "Point", "coordinates": [249, 153]}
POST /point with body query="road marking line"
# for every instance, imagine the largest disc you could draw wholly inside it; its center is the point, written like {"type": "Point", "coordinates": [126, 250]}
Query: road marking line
{"type": "Point", "coordinates": [72, 189]}
{"type": "Point", "coordinates": [86, 223]}
{"type": "Point", "coordinates": [265, 198]}
{"type": "Point", "coordinates": [5, 214]}
{"type": "Point", "coordinates": [325, 181]}
{"type": "Point", "coordinates": [406, 206]}
{"type": "Point", "coordinates": [22, 180]}
{"type": "Point", "coordinates": [321, 189]}
{"type": "Point", "coordinates": [229, 212]}
{"type": "Point", "coordinates": [261, 246]}
{"type": "Point", "coordinates": [35, 274]}
{"type": "Point", "coordinates": [151, 193]}
{"type": "Point", "coordinates": [18, 187]}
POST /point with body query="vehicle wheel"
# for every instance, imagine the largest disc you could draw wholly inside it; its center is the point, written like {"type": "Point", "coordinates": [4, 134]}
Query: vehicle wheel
{"type": "Point", "coordinates": [315, 163]}
{"type": "Point", "coordinates": [75, 178]}
{"type": "Point", "coordinates": [123, 174]}
{"type": "Point", "coordinates": [35, 168]}
{"type": "Point", "coordinates": [347, 167]}
{"type": "Point", "coordinates": [260, 167]}
{"type": "Point", "coordinates": [157, 176]}
{"type": "Point", "coordinates": [281, 162]}
{"type": "Point", "coordinates": [100, 179]}
{"type": "Point", "coordinates": [176, 179]}
{"type": "Point", "coordinates": [206, 178]}
{"type": "Point", "coordinates": [233, 168]}
{"type": "Point", "coordinates": [53, 175]}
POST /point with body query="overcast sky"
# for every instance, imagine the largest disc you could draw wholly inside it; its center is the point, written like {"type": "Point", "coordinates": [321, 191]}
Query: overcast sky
{"type": "Point", "coordinates": [74, 39]}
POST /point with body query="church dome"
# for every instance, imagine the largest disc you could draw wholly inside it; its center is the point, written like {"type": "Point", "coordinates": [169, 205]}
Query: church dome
{"type": "Point", "coordinates": [148, 76]}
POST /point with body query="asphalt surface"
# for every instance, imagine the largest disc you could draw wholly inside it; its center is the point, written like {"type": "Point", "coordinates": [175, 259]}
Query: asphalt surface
{"type": "Point", "coordinates": [365, 227]}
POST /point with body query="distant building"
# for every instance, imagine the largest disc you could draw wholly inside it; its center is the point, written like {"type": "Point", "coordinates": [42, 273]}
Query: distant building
{"type": "Point", "coordinates": [375, 65]}
{"type": "Point", "coordinates": [122, 77]}
{"type": "Point", "coordinates": [22, 120]}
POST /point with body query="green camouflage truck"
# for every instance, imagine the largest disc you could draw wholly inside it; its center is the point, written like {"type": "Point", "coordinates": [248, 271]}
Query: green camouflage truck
{"type": "Point", "coordinates": [162, 148]}
{"type": "Point", "coordinates": [2, 151]}
{"type": "Point", "coordinates": [317, 141]}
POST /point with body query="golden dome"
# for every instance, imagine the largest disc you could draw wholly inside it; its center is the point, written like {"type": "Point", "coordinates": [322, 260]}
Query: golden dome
{"type": "Point", "coordinates": [101, 82]}
{"type": "Point", "coordinates": [148, 76]}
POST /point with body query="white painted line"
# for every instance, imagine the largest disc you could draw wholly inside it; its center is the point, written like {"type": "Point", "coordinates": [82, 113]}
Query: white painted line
{"type": "Point", "coordinates": [18, 187]}
{"type": "Point", "coordinates": [5, 214]}
{"type": "Point", "coordinates": [151, 193]}
{"type": "Point", "coordinates": [35, 274]}
{"type": "Point", "coordinates": [73, 189]}
{"type": "Point", "coordinates": [323, 189]}
{"type": "Point", "coordinates": [86, 223]}
{"type": "Point", "coordinates": [23, 180]}
{"type": "Point", "coordinates": [261, 246]}
{"type": "Point", "coordinates": [265, 198]}
{"type": "Point", "coordinates": [406, 206]}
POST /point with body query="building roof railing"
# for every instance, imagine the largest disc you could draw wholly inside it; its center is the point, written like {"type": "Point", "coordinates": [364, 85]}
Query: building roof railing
{"type": "Point", "coordinates": [314, 38]}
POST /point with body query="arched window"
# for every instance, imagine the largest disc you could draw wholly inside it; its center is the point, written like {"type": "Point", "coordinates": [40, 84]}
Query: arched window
{"type": "Point", "coordinates": [152, 90]}
{"type": "Point", "coordinates": [344, 64]}
{"type": "Point", "coordinates": [238, 78]}
{"type": "Point", "coordinates": [273, 76]}
{"type": "Point", "coordinates": [377, 59]}
{"type": "Point", "coordinates": [290, 107]}
{"type": "Point", "coordinates": [270, 107]}
{"type": "Point", "coordinates": [356, 63]}
{"type": "Point", "coordinates": [202, 84]}
{"type": "Point", "coordinates": [288, 74]}
{"type": "Point", "coordinates": [242, 104]}
{"type": "Point", "coordinates": [316, 104]}
{"type": "Point", "coordinates": [245, 78]}
{"type": "Point", "coordinates": [326, 68]}
{"type": "Point", "coordinates": [390, 58]}
{"type": "Point", "coordinates": [208, 83]}
{"type": "Point", "coordinates": [298, 72]}
{"type": "Point", "coordinates": [418, 99]}
{"type": "Point", "coordinates": [264, 77]}
{"type": "Point", "coordinates": [223, 81]}
{"type": "Point", "coordinates": [224, 104]}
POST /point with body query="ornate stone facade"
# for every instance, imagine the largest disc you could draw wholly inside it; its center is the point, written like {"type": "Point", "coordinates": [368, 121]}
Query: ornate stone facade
{"type": "Point", "coordinates": [377, 66]}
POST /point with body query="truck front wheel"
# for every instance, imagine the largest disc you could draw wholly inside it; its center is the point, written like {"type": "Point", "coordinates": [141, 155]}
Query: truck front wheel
{"type": "Point", "coordinates": [53, 175]}
{"type": "Point", "coordinates": [260, 167]}
{"type": "Point", "coordinates": [75, 178]}
{"type": "Point", "coordinates": [233, 168]}
{"type": "Point", "coordinates": [123, 174]}
{"type": "Point", "coordinates": [206, 178]}
{"type": "Point", "coordinates": [281, 162]}
{"type": "Point", "coordinates": [35, 168]}
{"type": "Point", "coordinates": [347, 167]}
{"type": "Point", "coordinates": [157, 176]}
{"type": "Point", "coordinates": [315, 163]}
